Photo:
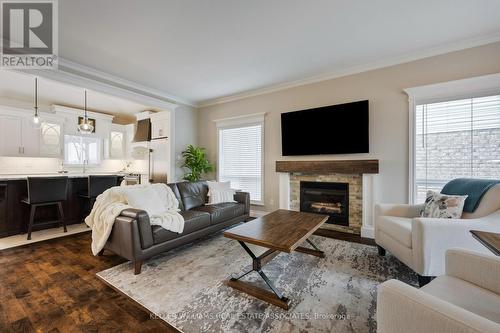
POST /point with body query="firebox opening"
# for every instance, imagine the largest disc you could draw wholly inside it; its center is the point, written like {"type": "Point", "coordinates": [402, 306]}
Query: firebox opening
{"type": "Point", "coordinates": [326, 198]}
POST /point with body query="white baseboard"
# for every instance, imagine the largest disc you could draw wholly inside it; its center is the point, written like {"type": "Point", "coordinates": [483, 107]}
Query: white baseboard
{"type": "Point", "coordinates": [367, 232]}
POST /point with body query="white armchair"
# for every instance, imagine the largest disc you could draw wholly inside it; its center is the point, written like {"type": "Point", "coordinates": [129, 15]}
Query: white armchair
{"type": "Point", "coordinates": [421, 243]}
{"type": "Point", "coordinates": [465, 300]}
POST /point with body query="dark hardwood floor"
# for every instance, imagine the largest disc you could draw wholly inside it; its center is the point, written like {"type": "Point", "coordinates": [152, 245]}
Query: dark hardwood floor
{"type": "Point", "coordinates": [51, 287]}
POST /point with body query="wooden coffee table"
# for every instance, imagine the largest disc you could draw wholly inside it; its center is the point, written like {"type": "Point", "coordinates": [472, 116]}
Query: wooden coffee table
{"type": "Point", "coordinates": [279, 231]}
{"type": "Point", "coordinates": [490, 240]}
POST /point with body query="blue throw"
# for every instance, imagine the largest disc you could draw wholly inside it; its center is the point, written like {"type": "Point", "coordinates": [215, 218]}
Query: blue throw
{"type": "Point", "coordinates": [474, 188]}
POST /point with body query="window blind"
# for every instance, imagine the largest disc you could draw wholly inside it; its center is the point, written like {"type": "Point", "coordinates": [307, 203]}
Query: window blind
{"type": "Point", "coordinates": [453, 139]}
{"type": "Point", "coordinates": [240, 159]}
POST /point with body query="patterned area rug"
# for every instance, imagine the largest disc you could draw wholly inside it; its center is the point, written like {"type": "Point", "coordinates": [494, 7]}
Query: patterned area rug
{"type": "Point", "coordinates": [336, 294]}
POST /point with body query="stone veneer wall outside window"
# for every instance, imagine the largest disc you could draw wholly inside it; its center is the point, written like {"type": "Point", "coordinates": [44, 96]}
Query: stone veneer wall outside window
{"type": "Point", "coordinates": [355, 182]}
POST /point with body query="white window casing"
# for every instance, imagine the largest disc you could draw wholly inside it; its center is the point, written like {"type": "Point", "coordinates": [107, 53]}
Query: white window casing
{"type": "Point", "coordinates": [240, 154]}
{"type": "Point", "coordinates": [454, 131]}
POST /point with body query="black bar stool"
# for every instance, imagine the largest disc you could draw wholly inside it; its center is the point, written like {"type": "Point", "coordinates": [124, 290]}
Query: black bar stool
{"type": "Point", "coordinates": [96, 185]}
{"type": "Point", "coordinates": [45, 191]}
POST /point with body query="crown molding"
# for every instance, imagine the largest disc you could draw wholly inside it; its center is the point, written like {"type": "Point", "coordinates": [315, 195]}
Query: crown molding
{"type": "Point", "coordinates": [83, 76]}
{"type": "Point", "coordinates": [408, 57]}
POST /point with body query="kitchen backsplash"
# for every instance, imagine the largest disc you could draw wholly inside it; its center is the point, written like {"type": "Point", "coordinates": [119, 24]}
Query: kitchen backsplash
{"type": "Point", "coordinates": [27, 165]}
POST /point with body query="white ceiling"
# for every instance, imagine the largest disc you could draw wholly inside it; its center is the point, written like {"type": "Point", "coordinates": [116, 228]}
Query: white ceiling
{"type": "Point", "coordinates": [203, 50]}
{"type": "Point", "coordinates": [17, 89]}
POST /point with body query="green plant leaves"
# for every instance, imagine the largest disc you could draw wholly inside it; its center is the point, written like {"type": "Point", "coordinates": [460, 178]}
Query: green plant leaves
{"type": "Point", "coordinates": [195, 159]}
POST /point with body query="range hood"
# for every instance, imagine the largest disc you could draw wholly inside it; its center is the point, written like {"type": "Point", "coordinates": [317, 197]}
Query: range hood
{"type": "Point", "coordinates": [143, 130]}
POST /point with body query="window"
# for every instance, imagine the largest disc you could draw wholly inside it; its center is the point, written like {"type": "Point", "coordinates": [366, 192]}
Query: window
{"type": "Point", "coordinates": [458, 138]}
{"type": "Point", "coordinates": [240, 157]}
{"type": "Point", "coordinates": [79, 150]}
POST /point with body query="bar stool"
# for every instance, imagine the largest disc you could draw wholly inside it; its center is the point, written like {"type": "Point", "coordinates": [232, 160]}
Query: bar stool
{"type": "Point", "coordinates": [96, 185]}
{"type": "Point", "coordinates": [46, 191]}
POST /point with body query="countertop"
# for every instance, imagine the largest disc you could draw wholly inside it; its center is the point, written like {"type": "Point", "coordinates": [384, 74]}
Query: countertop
{"type": "Point", "coordinates": [5, 177]}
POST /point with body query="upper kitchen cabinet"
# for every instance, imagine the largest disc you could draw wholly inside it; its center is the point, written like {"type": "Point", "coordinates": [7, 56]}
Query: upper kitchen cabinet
{"type": "Point", "coordinates": [160, 125]}
{"type": "Point", "coordinates": [18, 137]}
{"type": "Point", "coordinates": [11, 135]}
{"type": "Point", "coordinates": [117, 142]}
{"type": "Point", "coordinates": [51, 139]}
{"type": "Point", "coordinates": [71, 117]}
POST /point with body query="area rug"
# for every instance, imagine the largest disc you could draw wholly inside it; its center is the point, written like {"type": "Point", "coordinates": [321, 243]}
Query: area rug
{"type": "Point", "coordinates": [185, 287]}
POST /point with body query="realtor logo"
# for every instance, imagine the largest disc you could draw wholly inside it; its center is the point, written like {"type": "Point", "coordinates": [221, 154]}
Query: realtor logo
{"type": "Point", "coordinates": [29, 34]}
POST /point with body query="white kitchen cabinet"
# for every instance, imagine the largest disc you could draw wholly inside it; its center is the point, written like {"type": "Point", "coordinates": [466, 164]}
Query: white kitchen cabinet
{"type": "Point", "coordinates": [116, 145]}
{"type": "Point", "coordinates": [30, 139]}
{"type": "Point", "coordinates": [11, 136]}
{"type": "Point", "coordinates": [19, 138]}
{"type": "Point", "coordinates": [51, 139]}
{"type": "Point", "coordinates": [160, 125]}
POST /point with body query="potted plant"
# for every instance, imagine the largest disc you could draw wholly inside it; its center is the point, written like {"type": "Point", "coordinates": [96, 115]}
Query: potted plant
{"type": "Point", "coordinates": [195, 159]}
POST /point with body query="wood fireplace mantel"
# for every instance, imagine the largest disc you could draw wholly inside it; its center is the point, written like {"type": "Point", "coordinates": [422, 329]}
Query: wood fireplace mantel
{"type": "Point", "coordinates": [339, 166]}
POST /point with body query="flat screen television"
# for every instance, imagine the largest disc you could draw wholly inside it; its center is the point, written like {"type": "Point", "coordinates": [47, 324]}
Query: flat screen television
{"type": "Point", "coordinates": [335, 129]}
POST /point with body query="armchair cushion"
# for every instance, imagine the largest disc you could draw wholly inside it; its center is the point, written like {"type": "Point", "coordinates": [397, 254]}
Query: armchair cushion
{"type": "Point", "coordinates": [398, 228]}
{"type": "Point", "coordinates": [474, 267]}
{"type": "Point", "coordinates": [465, 295]}
{"type": "Point", "coordinates": [402, 308]}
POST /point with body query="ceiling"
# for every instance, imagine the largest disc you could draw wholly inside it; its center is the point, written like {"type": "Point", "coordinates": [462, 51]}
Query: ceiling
{"type": "Point", "coordinates": [199, 51]}
{"type": "Point", "coordinates": [17, 89]}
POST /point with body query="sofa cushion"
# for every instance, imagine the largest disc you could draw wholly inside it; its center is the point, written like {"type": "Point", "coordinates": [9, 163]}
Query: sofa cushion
{"type": "Point", "coordinates": [193, 221]}
{"type": "Point", "coordinates": [398, 228]}
{"type": "Point", "coordinates": [465, 295]}
{"type": "Point", "coordinates": [174, 189]}
{"type": "Point", "coordinates": [223, 211]}
{"type": "Point", "coordinates": [193, 194]}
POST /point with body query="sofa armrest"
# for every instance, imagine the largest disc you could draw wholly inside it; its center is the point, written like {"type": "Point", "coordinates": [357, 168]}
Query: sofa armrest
{"type": "Point", "coordinates": [477, 268]}
{"type": "Point", "coordinates": [431, 237]}
{"type": "Point", "coordinates": [143, 223]}
{"type": "Point", "coordinates": [402, 308]}
{"type": "Point", "coordinates": [243, 198]}
{"type": "Point", "coordinates": [124, 239]}
{"type": "Point", "coordinates": [399, 210]}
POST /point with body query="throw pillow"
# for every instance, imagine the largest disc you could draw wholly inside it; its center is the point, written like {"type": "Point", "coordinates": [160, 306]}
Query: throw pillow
{"type": "Point", "coordinates": [219, 192]}
{"type": "Point", "coordinates": [213, 185]}
{"type": "Point", "coordinates": [439, 205]}
{"type": "Point", "coordinates": [219, 196]}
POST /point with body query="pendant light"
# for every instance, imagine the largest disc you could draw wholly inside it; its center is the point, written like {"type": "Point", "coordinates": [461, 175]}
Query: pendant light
{"type": "Point", "coordinates": [36, 121]}
{"type": "Point", "coordinates": [85, 127]}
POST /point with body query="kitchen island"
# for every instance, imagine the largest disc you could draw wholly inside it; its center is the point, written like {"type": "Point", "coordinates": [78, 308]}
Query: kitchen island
{"type": "Point", "coordinates": [14, 214]}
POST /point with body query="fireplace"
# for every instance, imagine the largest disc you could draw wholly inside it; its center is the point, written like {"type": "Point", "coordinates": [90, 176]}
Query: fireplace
{"type": "Point", "coordinates": [326, 198]}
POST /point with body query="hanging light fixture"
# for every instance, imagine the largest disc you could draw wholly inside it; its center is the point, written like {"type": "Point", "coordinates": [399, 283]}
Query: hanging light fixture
{"type": "Point", "coordinates": [36, 121]}
{"type": "Point", "coordinates": [85, 127]}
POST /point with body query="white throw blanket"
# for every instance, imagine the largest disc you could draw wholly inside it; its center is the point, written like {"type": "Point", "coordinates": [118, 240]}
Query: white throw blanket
{"type": "Point", "coordinates": [157, 200]}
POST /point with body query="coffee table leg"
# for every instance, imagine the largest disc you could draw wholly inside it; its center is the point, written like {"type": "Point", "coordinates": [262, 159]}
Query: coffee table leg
{"type": "Point", "coordinates": [242, 275]}
{"type": "Point", "coordinates": [315, 251]}
{"type": "Point", "coordinates": [274, 297]}
{"type": "Point", "coordinates": [271, 285]}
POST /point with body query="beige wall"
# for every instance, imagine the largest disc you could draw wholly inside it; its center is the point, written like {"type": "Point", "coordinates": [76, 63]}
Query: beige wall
{"type": "Point", "coordinates": [388, 114]}
{"type": "Point", "coordinates": [186, 120]}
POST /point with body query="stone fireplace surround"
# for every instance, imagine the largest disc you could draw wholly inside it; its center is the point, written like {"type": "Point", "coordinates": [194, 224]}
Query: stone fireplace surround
{"type": "Point", "coordinates": [357, 173]}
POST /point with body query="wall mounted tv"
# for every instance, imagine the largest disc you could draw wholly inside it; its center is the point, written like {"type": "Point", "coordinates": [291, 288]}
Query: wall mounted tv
{"type": "Point", "coordinates": [335, 129]}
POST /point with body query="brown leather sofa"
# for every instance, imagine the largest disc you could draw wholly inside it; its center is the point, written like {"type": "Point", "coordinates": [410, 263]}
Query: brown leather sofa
{"type": "Point", "coordinates": [135, 239]}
